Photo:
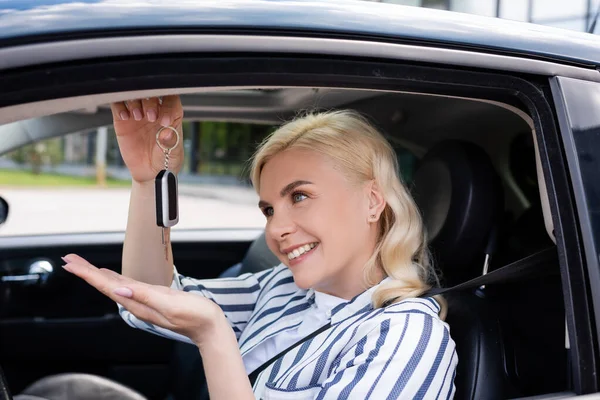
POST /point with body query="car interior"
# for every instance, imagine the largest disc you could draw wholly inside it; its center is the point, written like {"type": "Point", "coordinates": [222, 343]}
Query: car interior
{"type": "Point", "coordinates": [471, 165]}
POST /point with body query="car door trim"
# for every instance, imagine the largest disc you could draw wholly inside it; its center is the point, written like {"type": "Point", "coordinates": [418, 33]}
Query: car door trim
{"type": "Point", "coordinates": [81, 49]}
{"type": "Point", "coordinates": [104, 238]}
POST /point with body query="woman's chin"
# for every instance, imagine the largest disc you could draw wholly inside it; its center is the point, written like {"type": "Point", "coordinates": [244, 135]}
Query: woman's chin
{"type": "Point", "coordinates": [302, 279]}
{"type": "Point", "coordinates": [306, 270]}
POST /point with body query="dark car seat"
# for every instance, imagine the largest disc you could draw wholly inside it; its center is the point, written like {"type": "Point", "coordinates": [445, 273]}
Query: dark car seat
{"type": "Point", "coordinates": [459, 193]}
{"type": "Point", "coordinates": [534, 331]}
{"type": "Point", "coordinates": [460, 197]}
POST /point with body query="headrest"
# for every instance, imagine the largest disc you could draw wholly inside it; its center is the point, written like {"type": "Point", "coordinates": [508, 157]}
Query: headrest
{"type": "Point", "coordinates": [460, 197]}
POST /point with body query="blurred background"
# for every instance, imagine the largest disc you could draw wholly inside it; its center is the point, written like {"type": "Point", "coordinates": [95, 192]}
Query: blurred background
{"type": "Point", "coordinates": [577, 15]}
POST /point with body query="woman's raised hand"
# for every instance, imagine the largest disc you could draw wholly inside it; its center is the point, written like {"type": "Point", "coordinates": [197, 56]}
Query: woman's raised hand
{"type": "Point", "coordinates": [136, 123]}
{"type": "Point", "coordinates": [188, 314]}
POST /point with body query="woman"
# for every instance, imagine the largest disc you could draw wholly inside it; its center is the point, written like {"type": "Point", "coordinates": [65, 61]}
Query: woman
{"type": "Point", "coordinates": [352, 251]}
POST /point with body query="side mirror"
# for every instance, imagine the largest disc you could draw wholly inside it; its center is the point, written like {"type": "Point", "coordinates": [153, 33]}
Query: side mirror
{"type": "Point", "coordinates": [3, 210]}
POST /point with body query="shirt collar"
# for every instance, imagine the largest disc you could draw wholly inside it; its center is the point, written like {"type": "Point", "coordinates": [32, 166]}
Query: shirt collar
{"type": "Point", "coordinates": [326, 302]}
{"type": "Point", "coordinates": [344, 308]}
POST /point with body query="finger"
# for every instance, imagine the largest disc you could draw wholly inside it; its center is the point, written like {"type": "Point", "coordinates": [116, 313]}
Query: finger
{"type": "Point", "coordinates": [167, 138]}
{"type": "Point", "coordinates": [119, 111]}
{"type": "Point", "coordinates": [150, 108]}
{"type": "Point", "coordinates": [107, 280]}
{"type": "Point", "coordinates": [110, 274]}
{"type": "Point", "coordinates": [144, 313]}
{"type": "Point", "coordinates": [135, 108]}
{"type": "Point", "coordinates": [167, 110]}
{"type": "Point", "coordinates": [77, 260]}
{"type": "Point", "coordinates": [138, 298]}
{"type": "Point", "coordinates": [102, 279]}
{"type": "Point", "coordinates": [79, 264]}
{"type": "Point", "coordinates": [167, 307]}
{"type": "Point", "coordinates": [153, 296]}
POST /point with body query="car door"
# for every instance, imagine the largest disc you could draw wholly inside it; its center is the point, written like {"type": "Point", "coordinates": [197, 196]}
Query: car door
{"type": "Point", "coordinates": [62, 325]}
{"type": "Point", "coordinates": [80, 327]}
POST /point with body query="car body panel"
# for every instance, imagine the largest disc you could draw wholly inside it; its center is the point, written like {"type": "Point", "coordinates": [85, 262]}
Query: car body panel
{"type": "Point", "coordinates": [38, 21]}
{"type": "Point", "coordinates": [577, 105]}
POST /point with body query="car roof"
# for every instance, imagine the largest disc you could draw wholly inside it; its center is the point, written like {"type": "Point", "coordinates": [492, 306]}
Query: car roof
{"type": "Point", "coordinates": [27, 21]}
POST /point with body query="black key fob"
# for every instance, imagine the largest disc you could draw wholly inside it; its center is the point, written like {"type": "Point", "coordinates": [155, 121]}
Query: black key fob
{"type": "Point", "coordinates": [167, 208]}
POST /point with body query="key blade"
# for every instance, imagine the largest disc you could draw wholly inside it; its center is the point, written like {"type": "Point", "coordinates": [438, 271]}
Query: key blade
{"type": "Point", "coordinates": [166, 242]}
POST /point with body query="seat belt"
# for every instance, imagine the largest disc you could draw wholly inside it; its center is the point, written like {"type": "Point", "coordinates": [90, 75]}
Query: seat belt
{"type": "Point", "coordinates": [528, 267]}
{"type": "Point", "coordinates": [260, 369]}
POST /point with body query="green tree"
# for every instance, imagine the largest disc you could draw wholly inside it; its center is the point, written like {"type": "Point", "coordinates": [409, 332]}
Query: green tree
{"type": "Point", "coordinates": [48, 152]}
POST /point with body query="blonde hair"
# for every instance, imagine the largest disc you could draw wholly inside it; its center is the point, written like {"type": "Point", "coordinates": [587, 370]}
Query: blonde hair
{"type": "Point", "coordinates": [363, 154]}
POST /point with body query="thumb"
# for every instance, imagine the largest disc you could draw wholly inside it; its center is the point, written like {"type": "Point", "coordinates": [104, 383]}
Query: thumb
{"type": "Point", "coordinates": [169, 110]}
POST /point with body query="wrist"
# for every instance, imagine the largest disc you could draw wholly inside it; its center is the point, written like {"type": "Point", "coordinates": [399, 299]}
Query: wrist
{"type": "Point", "coordinates": [213, 333]}
{"type": "Point", "coordinates": [142, 184]}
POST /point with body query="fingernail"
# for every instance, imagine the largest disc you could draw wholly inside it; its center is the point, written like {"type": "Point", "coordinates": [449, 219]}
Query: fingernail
{"type": "Point", "coordinates": [123, 291]}
{"type": "Point", "coordinates": [124, 115]}
{"type": "Point", "coordinates": [66, 259]}
{"type": "Point", "coordinates": [67, 268]}
{"type": "Point", "coordinates": [137, 114]}
{"type": "Point", "coordinates": [151, 115]}
{"type": "Point", "coordinates": [165, 121]}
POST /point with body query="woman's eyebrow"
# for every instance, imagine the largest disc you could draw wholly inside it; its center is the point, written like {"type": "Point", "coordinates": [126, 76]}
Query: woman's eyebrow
{"type": "Point", "coordinates": [285, 191]}
{"type": "Point", "coordinates": [289, 187]}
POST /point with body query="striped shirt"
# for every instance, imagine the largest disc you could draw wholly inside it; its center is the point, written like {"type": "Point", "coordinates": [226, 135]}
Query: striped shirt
{"type": "Point", "coordinates": [402, 351]}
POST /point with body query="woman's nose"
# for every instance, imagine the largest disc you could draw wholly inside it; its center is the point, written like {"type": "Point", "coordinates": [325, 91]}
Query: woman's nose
{"type": "Point", "coordinates": [280, 226]}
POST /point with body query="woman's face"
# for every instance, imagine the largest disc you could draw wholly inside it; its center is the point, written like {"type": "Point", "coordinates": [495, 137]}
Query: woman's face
{"type": "Point", "coordinates": [319, 224]}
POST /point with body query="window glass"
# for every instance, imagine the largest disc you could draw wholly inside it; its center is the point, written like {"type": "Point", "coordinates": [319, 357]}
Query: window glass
{"type": "Point", "coordinates": [407, 162]}
{"type": "Point", "coordinates": [54, 186]}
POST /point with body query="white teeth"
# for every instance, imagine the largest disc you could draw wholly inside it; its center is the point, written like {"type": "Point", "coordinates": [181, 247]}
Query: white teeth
{"type": "Point", "coordinates": [301, 250]}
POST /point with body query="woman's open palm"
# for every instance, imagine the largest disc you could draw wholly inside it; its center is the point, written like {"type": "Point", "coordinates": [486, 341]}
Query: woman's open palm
{"type": "Point", "coordinates": [185, 313]}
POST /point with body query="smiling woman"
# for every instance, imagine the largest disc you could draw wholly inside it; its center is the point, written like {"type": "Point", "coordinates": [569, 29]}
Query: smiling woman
{"type": "Point", "coordinates": [353, 265]}
{"type": "Point", "coordinates": [344, 185]}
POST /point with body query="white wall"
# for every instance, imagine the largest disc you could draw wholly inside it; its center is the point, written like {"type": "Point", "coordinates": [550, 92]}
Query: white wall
{"type": "Point", "coordinates": [567, 14]}
{"type": "Point", "coordinates": [514, 9]}
{"type": "Point", "coordinates": [479, 7]}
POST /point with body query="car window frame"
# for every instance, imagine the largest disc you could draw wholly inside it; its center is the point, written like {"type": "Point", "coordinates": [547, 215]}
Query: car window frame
{"type": "Point", "coordinates": [529, 93]}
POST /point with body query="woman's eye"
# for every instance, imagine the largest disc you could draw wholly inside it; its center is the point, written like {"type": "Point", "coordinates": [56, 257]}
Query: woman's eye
{"type": "Point", "coordinates": [268, 211]}
{"type": "Point", "coordinates": [298, 197]}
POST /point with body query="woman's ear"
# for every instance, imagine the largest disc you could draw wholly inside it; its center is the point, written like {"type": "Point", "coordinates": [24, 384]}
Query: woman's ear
{"type": "Point", "coordinates": [376, 201]}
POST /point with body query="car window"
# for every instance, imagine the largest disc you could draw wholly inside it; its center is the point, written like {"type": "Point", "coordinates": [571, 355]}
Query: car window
{"type": "Point", "coordinates": [54, 186]}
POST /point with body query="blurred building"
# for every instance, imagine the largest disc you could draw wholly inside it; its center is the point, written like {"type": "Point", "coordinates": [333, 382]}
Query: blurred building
{"type": "Point", "coordinates": [568, 14]}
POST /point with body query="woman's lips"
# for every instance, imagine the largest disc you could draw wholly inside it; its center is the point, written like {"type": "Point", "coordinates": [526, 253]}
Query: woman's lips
{"type": "Point", "coordinates": [302, 257]}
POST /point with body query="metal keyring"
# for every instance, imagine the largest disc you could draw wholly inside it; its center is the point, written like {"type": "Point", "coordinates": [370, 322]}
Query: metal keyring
{"type": "Point", "coordinates": [165, 149]}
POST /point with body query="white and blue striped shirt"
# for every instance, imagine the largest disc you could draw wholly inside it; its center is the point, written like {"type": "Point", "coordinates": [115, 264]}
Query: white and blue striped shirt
{"type": "Point", "coordinates": [401, 351]}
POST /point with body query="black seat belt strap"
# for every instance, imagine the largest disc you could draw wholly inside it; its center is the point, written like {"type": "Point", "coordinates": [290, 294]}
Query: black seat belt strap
{"type": "Point", "coordinates": [260, 369]}
{"type": "Point", "coordinates": [533, 265]}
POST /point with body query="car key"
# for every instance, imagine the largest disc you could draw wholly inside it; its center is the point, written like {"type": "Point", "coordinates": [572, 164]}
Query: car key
{"type": "Point", "coordinates": [165, 185]}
